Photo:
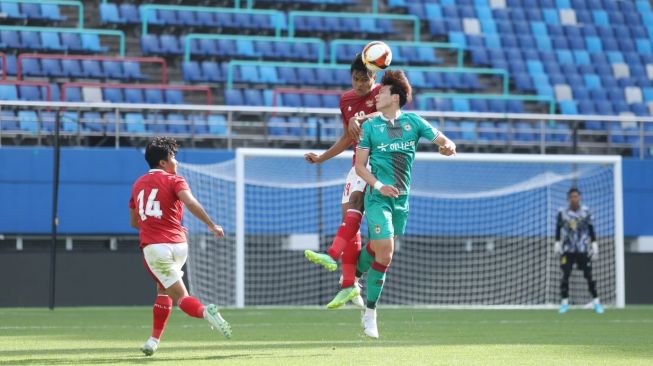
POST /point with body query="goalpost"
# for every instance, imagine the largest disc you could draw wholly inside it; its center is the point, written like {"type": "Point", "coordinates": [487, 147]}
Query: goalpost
{"type": "Point", "coordinates": [480, 230]}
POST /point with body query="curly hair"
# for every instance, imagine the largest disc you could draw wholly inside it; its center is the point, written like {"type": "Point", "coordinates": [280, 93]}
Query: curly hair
{"type": "Point", "coordinates": [398, 83]}
{"type": "Point", "coordinates": [160, 148]}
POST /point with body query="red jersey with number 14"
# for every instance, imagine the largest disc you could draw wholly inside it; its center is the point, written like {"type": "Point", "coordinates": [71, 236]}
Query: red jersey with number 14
{"type": "Point", "coordinates": [159, 209]}
{"type": "Point", "coordinates": [352, 105]}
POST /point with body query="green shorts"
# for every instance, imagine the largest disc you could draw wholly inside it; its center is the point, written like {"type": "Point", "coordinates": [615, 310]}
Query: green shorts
{"type": "Point", "coordinates": [386, 216]}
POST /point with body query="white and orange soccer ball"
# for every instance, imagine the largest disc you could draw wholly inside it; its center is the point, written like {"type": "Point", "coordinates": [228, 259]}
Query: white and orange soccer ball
{"type": "Point", "coordinates": [376, 56]}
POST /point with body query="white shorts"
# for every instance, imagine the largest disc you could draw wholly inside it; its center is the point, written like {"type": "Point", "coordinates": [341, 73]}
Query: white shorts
{"type": "Point", "coordinates": [164, 262]}
{"type": "Point", "coordinates": [354, 183]}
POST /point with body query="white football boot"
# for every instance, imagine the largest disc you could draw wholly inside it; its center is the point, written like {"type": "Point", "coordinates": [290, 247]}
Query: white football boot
{"type": "Point", "coordinates": [212, 315]}
{"type": "Point", "coordinates": [150, 346]}
{"type": "Point", "coordinates": [369, 323]}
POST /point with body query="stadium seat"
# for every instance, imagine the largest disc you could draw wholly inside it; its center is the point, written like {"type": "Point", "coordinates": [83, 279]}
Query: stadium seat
{"type": "Point", "coordinates": [8, 121]}
{"type": "Point", "coordinates": [72, 42]}
{"type": "Point", "coordinates": [217, 124]}
{"type": "Point", "coordinates": [8, 92]}
{"type": "Point", "coordinates": [177, 123]}
{"type": "Point", "coordinates": [92, 122]}
{"type": "Point", "coordinates": [91, 43]}
{"type": "Point", "coordinates": [113, 95]}
{"type": "Point", "coordinates": [134, 96]}
{"type": "Point", "coordinates": [154, 96]}
{"type": "Point", "coordinates": [109, 14]}
{"type": "Point", "coordinates": [174, 96]}
{"type": "Point", "coordinates": [112, 69]}
{"type": "Point", "coordinates": [51, 13]}
{"type": "Point", "coordinates": [134, 122]}
{"type": "Point", "coordinates": [28, 121]}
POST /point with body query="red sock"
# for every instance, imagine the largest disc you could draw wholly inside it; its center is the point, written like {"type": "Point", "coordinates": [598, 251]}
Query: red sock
{"type": "Point", "coordinates": [345, 234]}
{"type": "Point", "coordinates": [161, 310]}
{"type": "Point", "coordinates": [349, 260]}
{"type": "Point", "coordinates": [191, 306]}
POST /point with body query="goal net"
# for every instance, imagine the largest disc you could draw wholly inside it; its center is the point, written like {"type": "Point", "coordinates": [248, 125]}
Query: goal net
{"type": "Point", "coordinates": [480, 230]}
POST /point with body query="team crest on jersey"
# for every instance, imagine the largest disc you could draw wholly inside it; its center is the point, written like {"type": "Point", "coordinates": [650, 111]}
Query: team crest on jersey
{"type": "Point", "coordinates": [377, 229]}
{"type": "Point", "coordinates": [573, 224]}
{"type": "Point", "coordinates": [349, 108]}
{"type": "Point", "coordinates": [407, 127]}
{"type": "Point", "coordinates": [369, 103]}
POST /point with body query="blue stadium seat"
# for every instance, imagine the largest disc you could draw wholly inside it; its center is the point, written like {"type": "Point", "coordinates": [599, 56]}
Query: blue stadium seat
{"type": "Point", "coordinates": [91, 43]}
{"type": "Point", "coordinates": [150, 44]}
{"type": "Point", "coordinates": [29, 92]}
{"type": "Point", "coordinates": [10, 39]}
{"type": "Point", "coordinates": [11, 10]}
{"type": "Point", "coordinates": [129, 13]}
{"type": "Point", "coordinates": [174, 96]}
{"type": "Point", "coordinates": [73, 94]}
{"type": "Point", "coordinates": [113, 69]}
{"type": "Point", "coordinates": [112, 95]}
{"type": "Point", "coordinates": [30, 40]}
{"type": "Point", "coordinates": [92, 69]}
{"type": "Point", "coordinates": [568, 107]}
{"type": "Point", "coordinates": [134, 122]}
{"type": "Point", "coordinates": [132, 71]}
{"type": "Point", "coordinates": [498, 106]}
{"type": "Point", "coordinates": [154, 96]}
{"type": "Point", "coordinates": [332, 101]}
{"type": "Point", "coordinates": [52, 67]}
{"type": "Point", "coordinates": [109, 14]}
{"type": "Point", "coordinates": [187, 18]}
{"type": "Point", "coordinates": [177, 123]}
{"type": "Point", "coordinates": [252, 97]}
{"type": "Point", "coordinates": [134, 96]}
{"type": "Point", "coordinates": [92, 122]}
{"type": "Point", "coordinates": [71, 68]}
{"type": "Point", "coordinates": [217, 125]}
{"type": "Point", "coordinates": [31, 67]}
{"type": "Point", "coordinates": [69, 122]}
{"type": "Point", "coordinates": [8, 92]}
{"type": "Point", "coordinates": [198, 124]}
{"type": "Point", "coordinates": [72, 42]}
{"type": "Point", "coordinates": [28, 121]}
{"type": "Point", "coordinates": [170, 45]}
{"type": "Point", "coordinates": [233, 97]}
{"type": "Point", "coordinates": [289, 100]}
{"type": "Point", "coordinates": [212, 71]}
{"type": "Point", "coordinates": [277, 126]}
{"type": "Point", "coordinates": [8, 121]}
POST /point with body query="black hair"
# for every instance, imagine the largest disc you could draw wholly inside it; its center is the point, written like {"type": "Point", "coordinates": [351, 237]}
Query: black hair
{"type": "Point", "coordinates": [358, 65]}
{"type": "Point", "coordinates": [398, 83]}
{"type": "Point", "coordinates": [573, 190]}
{"type": "Point", "coordinates": [160, 148]}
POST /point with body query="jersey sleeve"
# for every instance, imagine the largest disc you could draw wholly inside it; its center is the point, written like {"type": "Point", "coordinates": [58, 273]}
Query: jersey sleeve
{"type": "Point", "coordinates": [425, 129]}
{"type": "Point", "coordinates": [180, 184]}
{"type": "Point", "coordinates": [365, 141]}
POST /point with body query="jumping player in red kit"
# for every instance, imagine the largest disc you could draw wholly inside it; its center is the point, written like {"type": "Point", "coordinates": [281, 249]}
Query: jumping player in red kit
{"type": "Point", "coordinates": [356, 105]}
{"type": "Point", "coordinates": [156, 210]}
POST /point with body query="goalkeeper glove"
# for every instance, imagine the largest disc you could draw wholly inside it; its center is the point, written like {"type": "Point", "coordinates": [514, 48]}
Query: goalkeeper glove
{"type": "Point", "coordinates": [557, 248]}
{"type": "Point", "coordinates": [594, 252]}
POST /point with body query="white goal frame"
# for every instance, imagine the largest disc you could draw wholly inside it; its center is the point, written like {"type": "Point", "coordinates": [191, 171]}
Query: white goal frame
{"type": "Point", "coordinates": [243, 153]}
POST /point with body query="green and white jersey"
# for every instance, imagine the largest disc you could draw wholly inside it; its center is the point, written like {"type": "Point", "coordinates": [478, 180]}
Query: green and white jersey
{"type": "Point", "coordinates": [392, 145]}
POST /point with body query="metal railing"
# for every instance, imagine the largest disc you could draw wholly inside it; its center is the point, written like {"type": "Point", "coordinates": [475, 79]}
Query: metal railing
{"type": "Point", "coordinates": [192, 36]}
{"type": "Point", "coordinates": [411, 18]}
{"type": "Point", "coordinates": [146, 10]}
{"type": "Point", "coordinates": [251, 126]}
{"type": "Point", "coordinates": [78, 4]}
{"type": "Point", "coordinates": [159, 60]}
{"type": "Point", "coordinates": [101, 32]}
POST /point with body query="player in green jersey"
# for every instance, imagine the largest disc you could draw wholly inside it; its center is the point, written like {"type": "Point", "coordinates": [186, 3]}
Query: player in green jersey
{"type": "Point", "coordinates": [389, 141]}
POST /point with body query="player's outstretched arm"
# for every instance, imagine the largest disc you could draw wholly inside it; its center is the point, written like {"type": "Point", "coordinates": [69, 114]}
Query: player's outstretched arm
{"type": "Point", "coordinates": [339, 146]}
{"type": "Point", "coordinates": [446, 146]}
{"type": "Point", "coordinates": [133, 219]}
{"type": "Point", "coordinates": [197, 210]}
{"type": "Point", "coordinates": [362, 155]}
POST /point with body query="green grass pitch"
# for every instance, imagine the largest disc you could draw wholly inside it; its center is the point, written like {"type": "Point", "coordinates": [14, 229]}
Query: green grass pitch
{"type": "Point", "coordinates": [309, 336]}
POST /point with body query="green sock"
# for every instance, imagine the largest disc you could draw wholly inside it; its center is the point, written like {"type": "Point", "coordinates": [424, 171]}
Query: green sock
{"type": "Point", "coordinates": [364, 262]}
{"type": "Point", "coordinates": [375, 281]}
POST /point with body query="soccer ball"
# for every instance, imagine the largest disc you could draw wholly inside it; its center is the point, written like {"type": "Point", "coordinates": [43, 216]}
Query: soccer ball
{"type": "Point", "coordinates": [376, 56]}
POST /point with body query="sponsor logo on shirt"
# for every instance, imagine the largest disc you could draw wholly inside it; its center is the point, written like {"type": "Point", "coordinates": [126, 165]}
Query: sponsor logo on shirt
{"type": "Point", "coordinates": [397, 146]}
{"type": "Point", "coordinates": [369, 103]}
{"type": "Point", "coordinates": [407, 127]}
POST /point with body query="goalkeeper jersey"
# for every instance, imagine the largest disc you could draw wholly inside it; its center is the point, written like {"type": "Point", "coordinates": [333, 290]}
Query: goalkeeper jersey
{"type": "Point", "coordinates": [392, 145]}
{"type": "Point", "coordinates": [575, 229]}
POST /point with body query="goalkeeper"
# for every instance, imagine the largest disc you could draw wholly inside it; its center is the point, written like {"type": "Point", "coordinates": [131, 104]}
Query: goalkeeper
{"type": "Point", "coordinates": [389, 141]}
{"type": "Point", "coordinates": [574, 233]}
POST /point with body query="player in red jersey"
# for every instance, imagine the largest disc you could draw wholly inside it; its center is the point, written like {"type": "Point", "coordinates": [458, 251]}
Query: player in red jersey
{"type": "Point", "coordinates": [156, 210]}
{"type": "Point", "coordinates": [356, 105]}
